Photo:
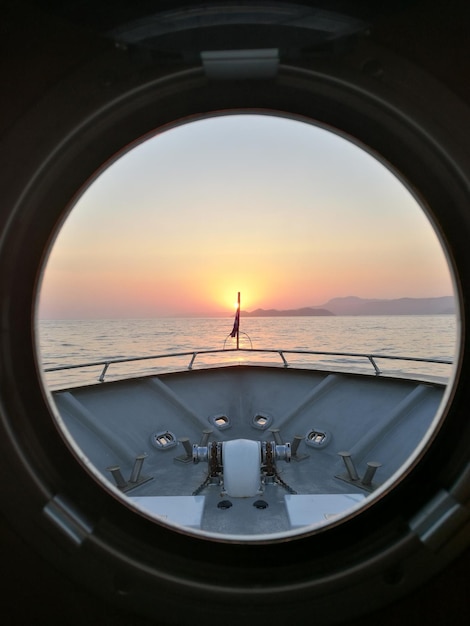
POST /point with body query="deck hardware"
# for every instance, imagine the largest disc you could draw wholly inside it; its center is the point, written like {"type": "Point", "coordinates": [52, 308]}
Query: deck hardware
{"type": "Point", "coordinates": [212, 454]}
{"type": "Point", "coordinates": [163, 440]}
{"type": "Point", "coordinates": [277, 435]}
{"type": "Point", "coordinates": [374, 364]}
{"type": "Point", "coordinates": [224, 504]}
{"type": "Point", "coordinates": [295, 444]}
{"type": "Point", "coordinates": [352, 473]}
{"type": "Point", "coordinates": [262, 420]}
{"type": "Point", "coordinates": [188, 448]}
{"type": "Point", "coordinates": [294, 449]}
{"type": "Point", "coordinates": [372, 467]}
{"type": "Point", "coordinates": [282, 452]}
{"type": "Point", "coordinates": [220, 457]}
{"type": "Point", "coordinates": [193, 358]}
{"type": "Point", "coordinates": [135, 478]}
{"type": "Point", "coordinates": [370, 357]}
{"type": "Point", "coordinates": [136, 470]}
{"type": "Point", "coordinates": [260, 504]}
{"type": "Point", "coordinates": [271, 452]}
{"type": "Point", "coordinates": [353, 477]}
{"type": "Point", "coordinates": [200, 453]}
{"type": "Point", "coordinates": [317, 438]}
{"type": "Point", "coordinates": [103, 373]}
{"type": "Point", "coordinates": [220, 421]}
{"type": "Point", "coordinates": [206, 433]}
{"type": "Point", "coordinates": [117, 475]}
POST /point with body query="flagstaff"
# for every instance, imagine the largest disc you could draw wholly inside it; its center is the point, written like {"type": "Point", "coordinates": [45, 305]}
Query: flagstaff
{"type": "Point", "coordinates": [238, 316]}
{"type": "Point", "coordinates": [236, 324]}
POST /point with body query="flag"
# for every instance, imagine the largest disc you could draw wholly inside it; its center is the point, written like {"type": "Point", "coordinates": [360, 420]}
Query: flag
{"type": "Point", "coordinates": [236, 324]}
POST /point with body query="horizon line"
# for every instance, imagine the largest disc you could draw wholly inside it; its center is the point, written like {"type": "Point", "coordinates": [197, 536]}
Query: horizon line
{"type": "Point", "coordinates": [229, 314]}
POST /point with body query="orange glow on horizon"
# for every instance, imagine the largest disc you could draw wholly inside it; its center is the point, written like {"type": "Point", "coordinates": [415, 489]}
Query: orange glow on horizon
{"type": "Point", "coordinates": [261, 213]}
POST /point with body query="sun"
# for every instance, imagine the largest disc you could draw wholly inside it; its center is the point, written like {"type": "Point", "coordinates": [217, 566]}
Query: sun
{"type": "Point", "coordinates": [251, 294]}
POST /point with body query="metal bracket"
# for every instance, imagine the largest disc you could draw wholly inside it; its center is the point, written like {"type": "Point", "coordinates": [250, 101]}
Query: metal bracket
{"type": "Point", "coordinates": [439, 520]}
{"type": "Point", "coordinates": [240, 64]}
{"type": "Point", "coordinates": [69, 520]}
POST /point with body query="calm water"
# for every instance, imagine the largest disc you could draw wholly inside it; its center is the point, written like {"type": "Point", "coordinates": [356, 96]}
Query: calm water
{"type": "Point", "coordinates": [67, 342]}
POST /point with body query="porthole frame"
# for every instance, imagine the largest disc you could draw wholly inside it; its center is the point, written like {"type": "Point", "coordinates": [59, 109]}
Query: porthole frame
{"type": "Point", "coordinates": [63, 510]}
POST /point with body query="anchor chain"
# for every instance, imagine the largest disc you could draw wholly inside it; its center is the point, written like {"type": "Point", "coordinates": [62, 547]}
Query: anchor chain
{"type": "Point", "coordinates": [213, 470]}
{"type": "Point", "coordinates": [202, 486]}
{"type": "Point", "coordinates": [271, 469]}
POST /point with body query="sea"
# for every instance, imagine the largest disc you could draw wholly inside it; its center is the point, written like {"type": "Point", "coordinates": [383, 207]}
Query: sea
{"type": "Point", "coordinates": [148, 344]}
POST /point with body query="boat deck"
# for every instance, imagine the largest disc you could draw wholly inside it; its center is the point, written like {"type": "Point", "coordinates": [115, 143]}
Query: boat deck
{"type": "Point", "coordinates": [374, 419]}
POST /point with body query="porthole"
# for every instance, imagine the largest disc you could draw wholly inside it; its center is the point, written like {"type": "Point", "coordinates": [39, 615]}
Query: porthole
{"type": "Point", "coordinates": [381, 367]}
{"type": "Point", "coordinates": [409, 527]}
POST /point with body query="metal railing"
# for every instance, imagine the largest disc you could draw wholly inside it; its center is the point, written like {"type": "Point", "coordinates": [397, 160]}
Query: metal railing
{"type": "Point", "coordinates": [372, 358]}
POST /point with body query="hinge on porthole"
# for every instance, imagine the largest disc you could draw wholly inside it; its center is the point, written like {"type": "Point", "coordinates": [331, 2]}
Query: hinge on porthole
{"type": "Point", "coordinates": [68, 519]}
{"type": "Point", "coordinates": [240, 64]}
{"type": "Point", "coordinates": [439, 520]}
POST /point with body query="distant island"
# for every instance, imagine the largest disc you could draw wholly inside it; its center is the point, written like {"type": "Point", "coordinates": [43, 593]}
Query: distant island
{"type": "Point", "coordinates": [352, 305]}
{"type": "Point", "coordinates": [306, 311]}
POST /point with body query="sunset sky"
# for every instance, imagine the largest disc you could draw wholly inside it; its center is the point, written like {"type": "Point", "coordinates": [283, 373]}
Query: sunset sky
{"type": "Point", "coordinates": [287, 213]}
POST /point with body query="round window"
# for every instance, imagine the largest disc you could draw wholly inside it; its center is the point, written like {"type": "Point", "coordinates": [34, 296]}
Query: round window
{"type": "Point", "coordinates": [348, 325]}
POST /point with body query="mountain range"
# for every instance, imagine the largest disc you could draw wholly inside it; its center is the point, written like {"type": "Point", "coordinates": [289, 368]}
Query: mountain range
{"type": "Point", "coordinates": [303, 312]}
{"type": "Point", "coordinates": [352, 305]}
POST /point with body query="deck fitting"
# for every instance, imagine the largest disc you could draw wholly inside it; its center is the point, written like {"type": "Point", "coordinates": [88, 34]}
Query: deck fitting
{"type": "Point", "coordinates": [295, 446]}
{"type": "Point", "coordinates": [352, 476]}
{"type": "Point", "coordinates": [135, 479]}
{"type": "Point", "coordinates": [117, 475]}
{"type": "Point", "coordinates": [206, 433]}
{"type": "Point", "coordinates": [372, 467]}
{"type": "Point", "coordinates": [188, 448]}
{"type": "Point", "coordinates": [352, 472]}
{"type": "Point", "coordinates": [277, 435]}
{"type": "Point", "coordinates": [136, 470]}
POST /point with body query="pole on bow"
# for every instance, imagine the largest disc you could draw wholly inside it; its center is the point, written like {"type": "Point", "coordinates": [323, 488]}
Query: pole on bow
{"type": "Point", "coordinates": [236, 324]}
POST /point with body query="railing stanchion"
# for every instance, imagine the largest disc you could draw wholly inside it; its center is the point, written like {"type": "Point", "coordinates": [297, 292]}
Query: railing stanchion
{"type": "Point", "coordinates": [105, 369]}
{"type": "Point", "coordinates": [377, 370]}
{"type": "Point", "coordinates": [286, 364]}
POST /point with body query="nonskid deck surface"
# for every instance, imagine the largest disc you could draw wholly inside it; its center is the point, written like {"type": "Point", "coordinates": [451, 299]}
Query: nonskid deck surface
{"type": "Point", "coordinates": [375, 419]}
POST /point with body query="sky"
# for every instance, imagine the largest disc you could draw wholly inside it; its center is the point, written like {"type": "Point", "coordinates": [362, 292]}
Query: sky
{"type": "Point", "coordinates": [285, 212]}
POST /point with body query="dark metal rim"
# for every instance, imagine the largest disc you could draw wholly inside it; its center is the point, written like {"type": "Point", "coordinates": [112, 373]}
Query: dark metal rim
{"type": "Point", "coordinates": [46, 181]}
